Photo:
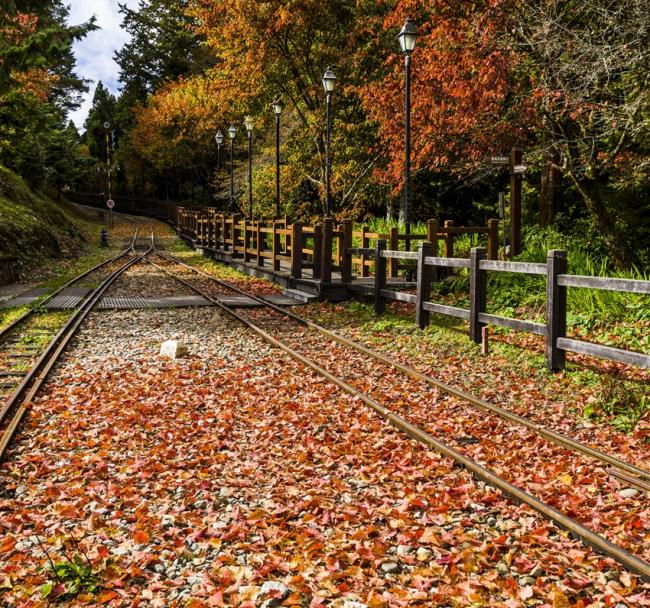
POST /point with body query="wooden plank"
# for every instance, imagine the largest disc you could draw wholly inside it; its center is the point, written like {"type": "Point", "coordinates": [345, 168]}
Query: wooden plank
{"type": "Point", "coordinates": [450, 229]}
{"type": "Point", "coordinates": [380, 276]}
{"type": "Point", "coordinates": [555, 309]}
{"type": "Point", "coordinates": [447, 262]}
{"type": "Point", "coordinates": [400, 255]}
{"type": "Point", "coordinates": [450, 311]}
{"type": "Point", "coordinates": [360, 251]}
{"type": "Point", "coordinates": [604, 352]}
{"type": "Point", "coordinates": [516, 267]}
{"type": "Point", "coordinates": [477, 293]}
{"type": "Point", "coordinates": [606, 283]}
{"type": "Point", "coordinates": [424, 285]}
{"type": "Point", "coordinates": [398, 296]}
{"type": "Point", "coordinates": [518, 324]}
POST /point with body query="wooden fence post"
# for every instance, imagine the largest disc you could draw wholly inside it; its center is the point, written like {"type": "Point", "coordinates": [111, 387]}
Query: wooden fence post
{"type": "Point", "coordinates": [432, 237]}
{"type": "Point", "coordinates": [260, 248]}
{"type": "Point", "coordinates": [276, 245]}
{"type": "Point", "coordinates": [515, 202]}
{"type": "Point", "coordinates": [365, 244]}
{"type": "Point", "coordinates": [478, 293]}
{"type": "Point", "coordinates": [346, 256]}
{"type": "Point", "coordinates": [556, 264]}
{"type": "Point", "coordinates": [318, 251]}
{"type": "Point", "coordinates": [424, 285]}
{"type": "Point", "coordinates": [380, 276]}
{"type": "Point", "coordinates": [247, 240]}
{"type": "Point", "coordinates": [326, 257]}
{"type": "Point", "coordinates": [493, 240]}
{"type": "Point", "coordinates": [393, 245]}
{"type": "Point", "coordinates": [296, 250]}
{"type": "Point", "coordinates": [224, 247]}
{"type": "Point", "coordinates": [449, 240]}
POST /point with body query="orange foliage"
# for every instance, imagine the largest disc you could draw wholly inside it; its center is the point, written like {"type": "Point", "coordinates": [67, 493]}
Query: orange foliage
{"type": "Point", "coordinates": [461, 82]}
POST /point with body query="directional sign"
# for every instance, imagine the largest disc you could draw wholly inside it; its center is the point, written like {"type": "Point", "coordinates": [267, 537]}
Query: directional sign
{"type": "Point", "coordinates": [519, 169]}
{"type": "Point", "coordinates": [110, 203]}
{"type": "Point", "coordinates": [499, 160]}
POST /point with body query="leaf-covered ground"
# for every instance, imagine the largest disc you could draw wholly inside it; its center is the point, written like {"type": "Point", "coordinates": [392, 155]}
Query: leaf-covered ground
{"type": "Point", "coordinates": [236, 477]}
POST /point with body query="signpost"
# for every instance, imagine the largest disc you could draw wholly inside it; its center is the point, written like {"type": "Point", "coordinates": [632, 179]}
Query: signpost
{"type": "Point", "coordinates": [517, 170]}
{"type": "Point", "coordinates": [110, 203]}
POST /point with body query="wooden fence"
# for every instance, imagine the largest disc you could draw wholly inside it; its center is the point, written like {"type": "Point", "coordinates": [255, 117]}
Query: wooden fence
{"type": "Point", "coordinates": [557, 282]}
{"type": "Point", "coordinates": [324, 248]}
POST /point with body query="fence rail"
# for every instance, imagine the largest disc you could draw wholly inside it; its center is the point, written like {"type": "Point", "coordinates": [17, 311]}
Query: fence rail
{"type": "Point", "coordinates": [324, 249]}
{"type": "Point", "coordinates": [557, 281]}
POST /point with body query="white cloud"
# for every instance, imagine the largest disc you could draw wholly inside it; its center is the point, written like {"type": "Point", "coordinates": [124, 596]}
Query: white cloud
{"type": "Point", "coordinates": [95, 52]}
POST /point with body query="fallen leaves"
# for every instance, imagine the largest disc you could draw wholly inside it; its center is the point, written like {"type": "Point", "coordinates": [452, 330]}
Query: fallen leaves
{"type": "Point", "coordinates": [197, 482]}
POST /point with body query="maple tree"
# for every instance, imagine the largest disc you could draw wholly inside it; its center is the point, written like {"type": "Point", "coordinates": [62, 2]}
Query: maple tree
{"type": "Point", "coordinates": [461, 90]}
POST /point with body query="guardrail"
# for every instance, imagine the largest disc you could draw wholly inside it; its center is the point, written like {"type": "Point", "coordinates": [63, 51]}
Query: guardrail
{"type": "Point", "coordinates": [557, 282]}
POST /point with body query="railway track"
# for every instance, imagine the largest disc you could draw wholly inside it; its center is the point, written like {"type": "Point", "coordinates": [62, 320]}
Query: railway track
{"type": "Point", "coordinates": [26, 379]}
{"type": "Point", "coordinates": [416, 407]}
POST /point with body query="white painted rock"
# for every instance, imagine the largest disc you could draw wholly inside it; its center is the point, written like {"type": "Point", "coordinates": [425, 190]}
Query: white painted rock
{"type": "Point", "coordinates": [173, 349]}
{"type": "Point", "coordinates": [628, 492]}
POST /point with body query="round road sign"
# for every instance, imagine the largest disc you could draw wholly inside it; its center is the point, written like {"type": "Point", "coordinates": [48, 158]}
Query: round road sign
{"type": "Point", "coordinates": [110, 203]}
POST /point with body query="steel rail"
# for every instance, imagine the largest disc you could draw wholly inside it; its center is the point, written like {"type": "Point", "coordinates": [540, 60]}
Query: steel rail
{"type": "Point", "coordinates": [32, 382]}
{"type": "Point", "coordinates": [4, 332]}
{"type": "Point", "coordinates": [641, 475]}
{"type": "Point", "coordinates": [587, 536]}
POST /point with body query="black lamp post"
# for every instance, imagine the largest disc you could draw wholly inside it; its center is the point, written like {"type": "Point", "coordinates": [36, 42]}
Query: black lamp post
{"type": "Point", "coordinates": [277, 110]}
{"type": "Point", "coordinates": [329, 82]}
{"type": "Point", "coordinates": [407, 38]}
{"type": "Point", "coordinates": [219, 139]}
{"type": "Point", "coordinates": [232, 131]}
{"type": "Point", "coordinates": [248, 123]}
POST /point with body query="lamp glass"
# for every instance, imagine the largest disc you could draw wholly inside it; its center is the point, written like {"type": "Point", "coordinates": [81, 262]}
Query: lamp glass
{"type": "Point", "coordinates": [248, 123]}
{"type": "Point", "coordinates": [277, 106]}
{"type": "Point", "coordinates": [408, 36]}
{"type": "Point", "coordinates": [232, 131]}
{"type": "Point", "coordinates": [329, 80]}
{"type": "Point", "coordinates": [219, 138]}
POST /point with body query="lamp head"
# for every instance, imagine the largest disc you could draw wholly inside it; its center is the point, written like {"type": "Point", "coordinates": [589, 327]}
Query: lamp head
{"type": "Point", "coordinates": [329, 80]}
{"type": "Point", "coordinates": [219, 137]}
{"type": "Point", "coordinates": [277, 106]}
{"type": "Point", "coordinates": [408, 36]}
{"type": "Point", "coordinates": [232, 131]}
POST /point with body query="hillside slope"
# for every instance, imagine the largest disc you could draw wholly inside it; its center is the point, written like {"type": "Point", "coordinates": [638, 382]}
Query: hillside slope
{"type": "Point", "coordinates": [33, 227]}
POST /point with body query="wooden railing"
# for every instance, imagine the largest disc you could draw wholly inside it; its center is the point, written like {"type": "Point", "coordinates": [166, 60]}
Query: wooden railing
{"type": "Point", "coordinates": [325, 248]}
{"type": "Point", "coordinates": [557, 281]}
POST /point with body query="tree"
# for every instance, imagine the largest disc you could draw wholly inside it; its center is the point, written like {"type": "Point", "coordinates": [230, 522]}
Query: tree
{"type": "Point", "coordinates": [35, 36]}
{"type": "Point", "coordinates": [102, 111]}
{"type": "Point", "coordinates": [462, 86]}
{"type": "Point", "coordinates": [587, 64]}
{"type": "Point", "coordinates": [38, 87]}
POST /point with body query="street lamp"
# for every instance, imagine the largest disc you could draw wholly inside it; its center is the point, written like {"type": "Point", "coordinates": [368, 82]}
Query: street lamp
{"type": "Point", "coordinates": [407, 39]}
{"type": "Point", "coordinates": [219, 139]}
{"type": "Point", "coordinates": [109, 201]}
{"type": "Point", "coordinates": [277, 110]}
{"type": "Point", "coordinates": [329, 82]}
{"type": "Point", "coordinates": [249, 124]}
{"type": "Point", "coordinates": [232, 131]}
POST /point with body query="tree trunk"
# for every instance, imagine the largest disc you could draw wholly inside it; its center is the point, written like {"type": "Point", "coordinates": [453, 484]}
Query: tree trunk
{"type": "Point", "coordinates": [615, 242]}
{"type": "Point", "coordinates": [549, 182]}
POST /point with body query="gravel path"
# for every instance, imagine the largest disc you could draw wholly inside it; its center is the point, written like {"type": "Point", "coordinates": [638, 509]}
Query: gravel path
{"type": "Point", "coordinates": [235, 477]}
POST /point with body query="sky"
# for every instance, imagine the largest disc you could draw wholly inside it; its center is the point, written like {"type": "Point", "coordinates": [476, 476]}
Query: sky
{"type": "Point", "coordinates": [95, 52]}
